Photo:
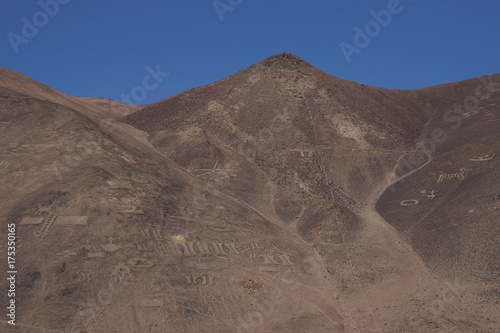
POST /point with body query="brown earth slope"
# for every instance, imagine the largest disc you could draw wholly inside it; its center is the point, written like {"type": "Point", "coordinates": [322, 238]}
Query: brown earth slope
{"type": "Point", "coordinates": [279, 199]}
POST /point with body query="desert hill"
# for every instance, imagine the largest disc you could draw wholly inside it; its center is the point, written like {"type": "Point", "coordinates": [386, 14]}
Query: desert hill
{"type": "Point", "coordinates": [278, 199]}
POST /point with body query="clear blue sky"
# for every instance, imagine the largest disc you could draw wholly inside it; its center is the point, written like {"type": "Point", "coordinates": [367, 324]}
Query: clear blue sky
{"type": "Point", "coordinates": [101, 48]}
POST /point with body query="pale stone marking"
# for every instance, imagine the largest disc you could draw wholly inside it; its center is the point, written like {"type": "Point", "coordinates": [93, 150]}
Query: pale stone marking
{"type": "Point", "coordinates": [71, 220]}
{"type": "Point", "coordinates": [151, 302]}
{"type": "Point", "coordinates": [31, 220]}
{"type": "Point", "coordinates": [410, 202]}
{"type": "Point", "coordinates": [203, 279]}
{"type": "Point", "coordinates": [429, 194]}
{"type": "Point", "coordinates": [450, 176]}
{"type": "Point", "coordinates": [483, 158]}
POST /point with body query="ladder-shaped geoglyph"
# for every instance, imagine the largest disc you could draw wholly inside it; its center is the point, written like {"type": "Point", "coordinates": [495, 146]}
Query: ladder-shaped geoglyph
{"type": "Point", "coordinates": [47, 222]}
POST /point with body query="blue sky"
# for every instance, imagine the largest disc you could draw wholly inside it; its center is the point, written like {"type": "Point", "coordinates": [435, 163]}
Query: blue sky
{"type": "Point", "coordinates": [102, 48]}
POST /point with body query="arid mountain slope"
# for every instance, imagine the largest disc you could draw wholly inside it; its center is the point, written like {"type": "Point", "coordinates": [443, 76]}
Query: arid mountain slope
{"type": "Point", "coordinates": [279, 199]}
{"type": "Point", "coordinates": [315, 152]}
{"type": "Point", "coordinates": [13, 83]}
{"type": "Point", "coordinates": [282, 116]}
{"type": "Point", "coordinates": [114, 237]}
{"type": "Point", "coordinates": [449, 209]}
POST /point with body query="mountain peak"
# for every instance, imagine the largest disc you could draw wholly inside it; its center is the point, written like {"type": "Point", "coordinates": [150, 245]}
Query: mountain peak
{"type": "Point", "coordinates": [284, 60]}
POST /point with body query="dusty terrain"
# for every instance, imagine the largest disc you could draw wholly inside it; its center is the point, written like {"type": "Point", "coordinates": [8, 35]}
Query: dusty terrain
{"type": "Point", "coordinates": [279, 199]}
